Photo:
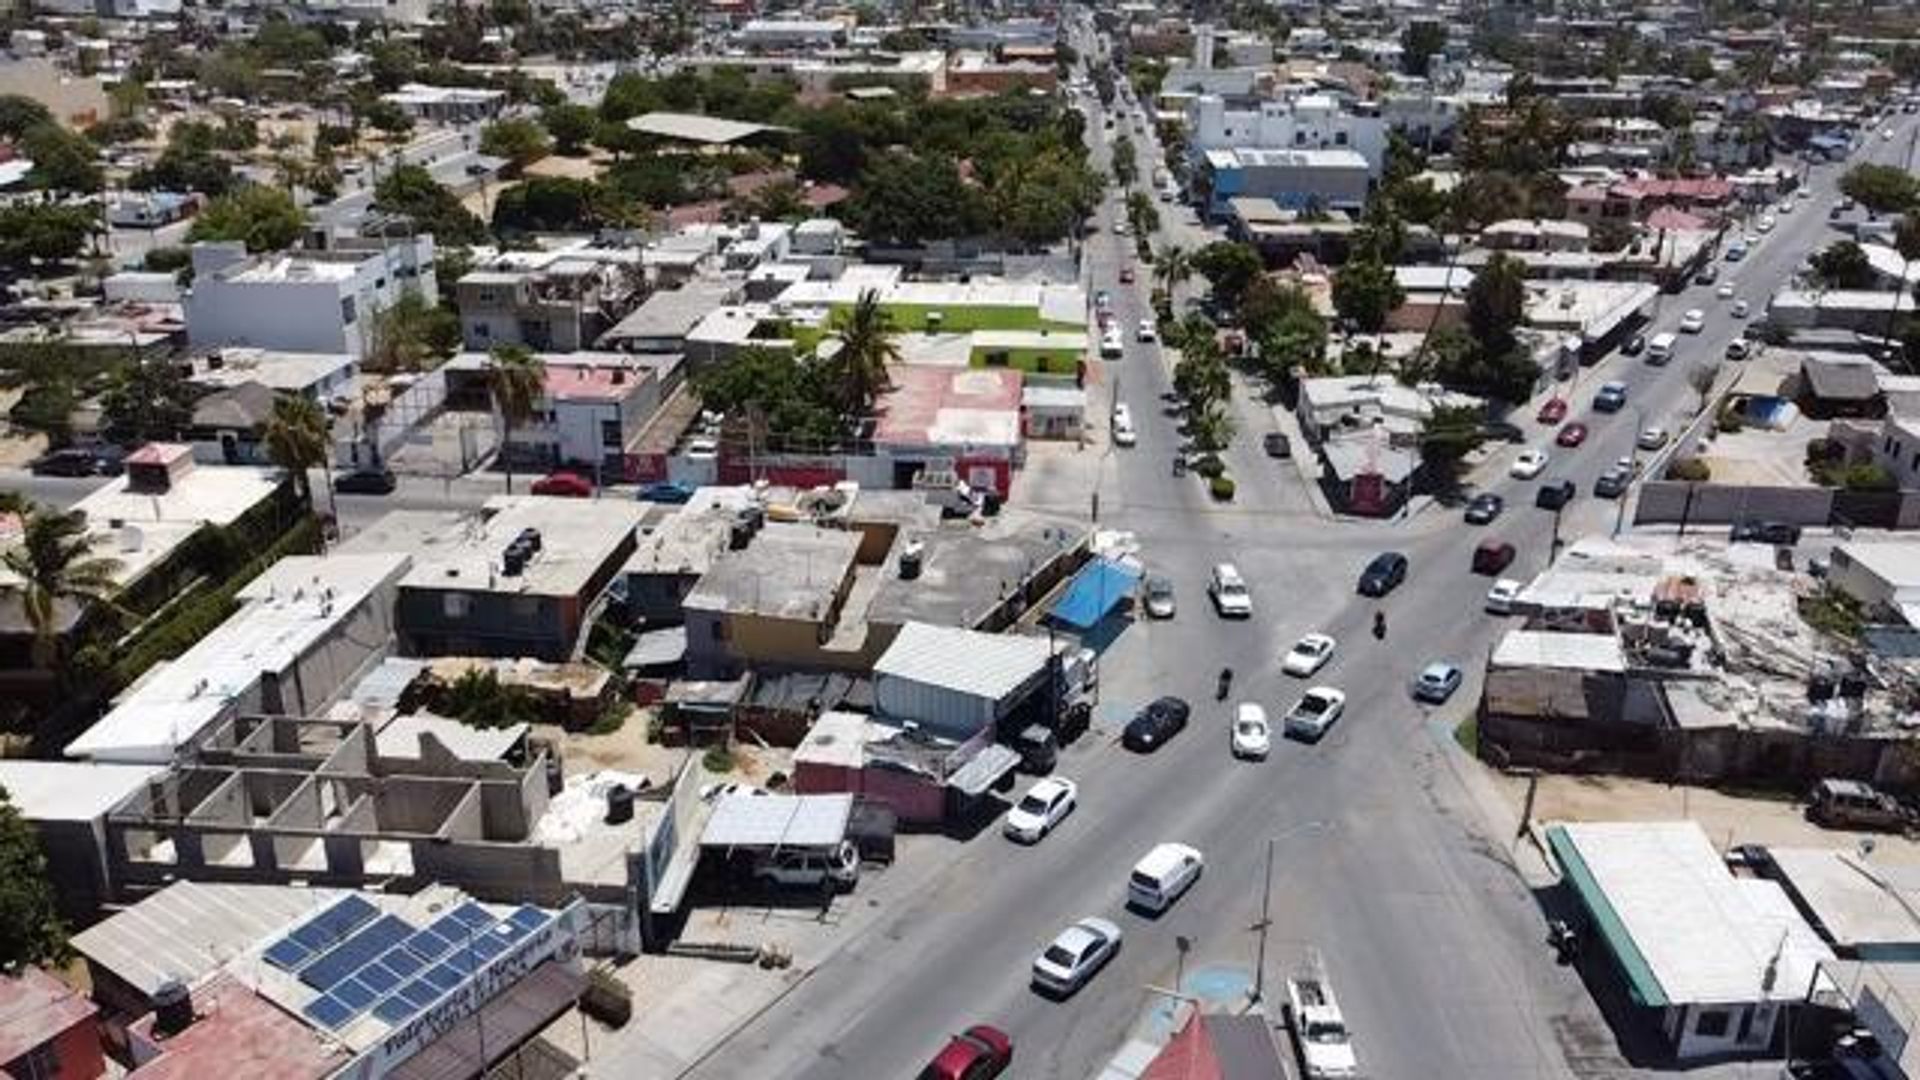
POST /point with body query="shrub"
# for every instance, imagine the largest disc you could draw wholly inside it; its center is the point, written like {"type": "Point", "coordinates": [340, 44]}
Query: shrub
{"type": "Point", "coordinates": [1221, 486]}
{"type": "Point", "coordinates": [1868, 477]}
{"type": "Point", "coordinates": [718, 759]}
{"type": "Point", "coordinates": [1210, 466]}
{"type": "Point", "coordinates": [1729, 420]}
{"type": "Point", "coordinates": [1689, 468]}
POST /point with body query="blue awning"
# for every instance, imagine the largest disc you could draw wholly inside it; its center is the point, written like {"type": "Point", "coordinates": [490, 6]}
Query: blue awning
{"type": "Point", "coordinates": [1096, 590]}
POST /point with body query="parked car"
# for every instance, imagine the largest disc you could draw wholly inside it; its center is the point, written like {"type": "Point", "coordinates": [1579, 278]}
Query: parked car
{"type": "Point", "coordinates": [1611, 398]}
{"type": "Point", "coordinates": [565, 484]}
{"type": "Point", "coordinates": [838, 866]}
{"type": "Point", "coordinates": [1739, 349]}
{"type": "Point", "coordinates": [667, 491]}
{"type": "Point", "coordinates": [1159, 597]}
{"type": "Point", "coordinates": [1308, 655]}
{"type": "Point", "coordinates": [1572, 435]}
{"type": "Point", "coordinates": [1123, 432]}
{"type": "Point", "coordinates": [1492, 556]}
{"type": "Point", "coordinates": [1252, 734]}
{"type": "Point", "coordinates": [1484, 508]}
{"type": "Point", "coordinates": [1229, 591]}
{"type": "Point", "coordinates": [1553, 410]}
{"type": "Point", "coordinates": [1725, 291]}
{"type": "Point", "coordinates": [366, 482]}
{"type": "Point", "coordinates": [1613, 483]}
{"type": "Point", "coordinates": [1147, 331]}
{"type": "Point", "coordinates": [1695, 320]}
{"type": "Point", "coordinates": [1162, 719]}
{"type": "Point", "coordinates": [1852, 804]}
{"type": "Point", "coordinates": [1554, 494]}
{"type": "Point", "coordinates": [1500, 598]}
{"type": "Point", "coordinates": [1652, 438]}
{"type": "Point", "coordinates": [1045, 805]}
{"type": "Point", "coordinates": [979, 1053]}
{"type": "Point", "coordinates": [1276, 445]}
{"type": "Point", "coordinates": [1075, 955]}
{"type": "Point", "coordinates": [1708, 275]}
{"type": "Point", "coordinates": [1436, 682]}
{"type": "Point", "coordinates": [1531, 463]}
{"type": "Point", "coordinates": [1383, 574]}
{"type": "Point", "coordinates": [1635, 345]}
{"type": "Point", "coordinates": [72, 461]}
{"type": "Point", "coordinates": [1766, 532]}
{"type": "Point", "coordinates": [1741, 308]}
{"type": "Point", "coordinates": [1315, 712]}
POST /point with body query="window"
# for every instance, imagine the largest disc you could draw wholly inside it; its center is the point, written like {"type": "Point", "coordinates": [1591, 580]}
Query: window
{"type": "Point", "coordinates": [346, 309]}
{"type": "Point", "coordinates": [610, 433]}
{"type": "Point", "coordinates": [482, 330]}
{"type": "Point", "coordinates": [1712, 1023]}
{"type": "Point", "coordinates": [455, 605]}
{"type": "Point", "coordinates": [720, 630]}
{"type": "Point", "coordinates": [1339, 138]}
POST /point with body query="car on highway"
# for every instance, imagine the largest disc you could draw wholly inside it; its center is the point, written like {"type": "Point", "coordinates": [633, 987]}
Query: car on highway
{"type": "Point", "coordinates": [1045, 805]}
{"type": "Point", "coordinates": [1613, 483]}
{"type": "Point", "coordinates": [1725, 291]}
{"type": "Point", "coordinates": [1741, 309]}
{"type": "Point", "coordinates": [1739, 349]}
{"type": "Point", "coordinates": [1652, 438]}
{"type": "Point", "coordinates": [1316, 711]}
{"type": "Point", "coordinates": [1492, 556]}
{"type": "Point", "coordinates": [670, 492]}
{"type": "Point", "coordinates": [1552, 411]}
{"type": "Point", "coordinates": [1382, 575]}
{"type": "Point", "coordinates": [1484, 507]}
{"type": "Point", "coordinates": [1571, 435]}
{"type": "Point", "coordinates": [1436, 682]}
{"type": "Point", "coordinates": [1159, 597]}
{"type": "Point", "coordinates": [564, 484]}
{"type": "Point", "coordinates": [1147, 331]}
{"type": "Point", "coordinates": [1252, 734]}
{"type": "Point", "coordinates": [1120, 228]}
{"type": "Point", "coordinates": [1500, 598]}
{"type": "Point", "coordinates": [1123, 432]}
{"type": "Point", "coordinates": [1163, 876]}
{"type": "Point", "coordinates": [1231, 597]}
{"type": "Point", "coordinates": [366, 482]}
{"type": "Point", "coordinates": [1611, 398]}
{"type": "Point", "coordinates": [1308, 655]}
{"type": "Point", "coordinates": [981, 1052]}
{"type": "Point", "coordinates": [1708, 275]}
{"type": "Point", "coordinates": [1075, 955]}
{"type": "Point", "coordinates": [1276, 445]}
{"type": "Point", "coordinates": [1151, 727]}
{"type": "Point", "coordinates": [1102, 301]}
{"type": "Point", "coordinates": [1531, 463]}
{"type": "Point", "coordinates": [1735, 252]}
{"type": "Point", "coordinates": [1779, 533]}
{"type": "Point", "coordinates": [1766, 223]}
{"type": "Point", "coordinates": [1694, 320]}
{"type": "Point", "coordinates": [1786, 206]}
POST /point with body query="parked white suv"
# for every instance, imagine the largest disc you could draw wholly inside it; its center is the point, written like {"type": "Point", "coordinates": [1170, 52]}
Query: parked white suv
{"type": "Point", "coordinates": [810, 866]}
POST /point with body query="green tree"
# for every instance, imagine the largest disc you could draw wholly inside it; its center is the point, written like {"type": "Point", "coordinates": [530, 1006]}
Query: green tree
{"type": "Point", "coordinates": [1884, 189]}
{"type": "Point", "coordinates": [548, 204]}
{"type": "Point", "coordinates": [409, 336]}
{"type": "Point", "coordinates": [57, 567]}
{"type": "Point", "coordinates": [1125, 167]}
{"type": "Point", "coordinates": [1419, 43]}
{"type": "Point", "coordinates": [521, 141]}
{"type": "Point", "coordinates": [20, 114]}
{"type": "Point", "coordinates": [30, 928]}
{"type": "Point", "coordinates": [867, 346]}
{"type": "Point", "coordinates": [516, 380]}
{"type": "Point", "coordinates": [1365, 292]}
{"type": "Point", "coordinates": [787, 398]}
{"type": "Point", "coordinates": [148, 400]}
{"type": "Point", "coordinates": [297, 438]}
{"type": "Point", "coordinates": [385, 117]}
{"type": "Point", "coordinates": [571, 126]}
{"type": "Point", "coordinates": [1449, 435]}
{"type": "Point", "coordinates": [906, 200]}
{"type": "Point", "coordinates": [412, 190]}
{"type": "Point", "coordinates": [1496, 303]}
{"type": "Point", "coordinates": [264, 218]}
{"type": "Point", "coordinates": [62, 160]}
{"type": "Point", "coordinates": [44, 232]}
{"type": "Point", "coordinates": [1229, 268]}
{"type": "Point", "coordinates": [1842, 265]}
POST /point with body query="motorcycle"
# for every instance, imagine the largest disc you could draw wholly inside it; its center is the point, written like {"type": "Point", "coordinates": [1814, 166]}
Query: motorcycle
{"type": "Point", "coordinates": [1380, 626]}
{"type": "Point", "coordinates": [1225, 684]}
{"type": "Point", "coordinates": [1564, 939]}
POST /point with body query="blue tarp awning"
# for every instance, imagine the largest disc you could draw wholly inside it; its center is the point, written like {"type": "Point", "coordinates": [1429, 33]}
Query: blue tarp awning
{"type": "Point", "coordinates": [1096, 590]}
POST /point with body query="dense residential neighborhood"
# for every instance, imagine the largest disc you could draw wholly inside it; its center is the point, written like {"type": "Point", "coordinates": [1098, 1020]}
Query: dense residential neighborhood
{"type": "Point", "coordinates": [1109, 541]}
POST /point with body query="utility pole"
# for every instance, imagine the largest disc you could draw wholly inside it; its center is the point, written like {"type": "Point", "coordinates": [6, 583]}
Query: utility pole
{"type": "Point", "coordinates": [1260, 957]}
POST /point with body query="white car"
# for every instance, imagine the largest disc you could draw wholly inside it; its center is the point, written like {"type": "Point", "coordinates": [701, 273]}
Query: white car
{"type": "Point", "coordinates": [1308, 655]}
{"type": "Point", "coordinates": [1075, 954]}
{"type": "Point", "coordinates": [1119, 228]}
{"type": "Point", "coordinates": [1740, 309]}
{"type": "Point", "coordinates": [1786, 206]}
{"type": "Point", "coordinates": [1252, 735]}
{"type": "Point", "coordinates": [1652, 438]}
{"type": "Point", "coordinates": [1725, 292]}
{"type": "Point", "coordinates": [1123, 433]}
{"type": "Point", "coordinates": [1146, 331]}
{"type": "Point", "coordinates": [1316, 712]}
{"type": "Point", "coordinates": [1531, 463]}
{"type": "Point", "coordinates": [1693, 321]}
{"type": "Point", "coordinates": [1229, 591]}
{"type": "Point", "coordinates": [1500, 598]}
{"type": "Point", "coordinates": [1046, 804]}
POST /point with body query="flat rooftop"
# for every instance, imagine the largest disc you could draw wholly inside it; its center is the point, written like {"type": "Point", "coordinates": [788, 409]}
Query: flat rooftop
{"type": "Point", "coordinates": [944, 406]}
{"type": "Point", "coordinates": [276, 269]}
{"type": "Point", "coordinates": [577, 537]}
{"type": "Point", "coordinates": [967, 570]}
{"type": "Point", "coordinates": [70, 790]}
{"type": "Point", "coordinates": [1856, 901]}
{"type": "Point", "coordinates": [788, 571]}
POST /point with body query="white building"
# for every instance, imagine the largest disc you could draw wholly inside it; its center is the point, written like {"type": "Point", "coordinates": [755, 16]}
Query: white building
{"type": "Point", "coordinates": [447, 104]}
{"type": "Point", "coordinates": [783, 35]}
{"type": "Point", "coordinates": [303, 301]}
{"type": "Point", "coordinates": [595, 405]}
{"type": "Point", "coordinates": [1309, 122]}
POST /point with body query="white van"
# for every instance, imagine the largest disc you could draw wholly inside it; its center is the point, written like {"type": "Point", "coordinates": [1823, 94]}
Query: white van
{"type": "Point", "coordinates": [1159, 879]}
{"type": "Point", "coordinates": [1660, 349]}
{"type": "Point", "coordinates": [1111, 347]}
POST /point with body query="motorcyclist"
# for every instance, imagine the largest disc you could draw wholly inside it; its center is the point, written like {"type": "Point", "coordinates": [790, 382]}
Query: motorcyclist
{"type": "Point", "coordinates": [1380, 625]}
{"type": "Point", "coordinates": [1225, 684]}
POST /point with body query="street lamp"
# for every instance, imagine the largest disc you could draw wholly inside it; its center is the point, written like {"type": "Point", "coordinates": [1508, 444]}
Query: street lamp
{"type": "Point", "coordinates": [1266, 895]}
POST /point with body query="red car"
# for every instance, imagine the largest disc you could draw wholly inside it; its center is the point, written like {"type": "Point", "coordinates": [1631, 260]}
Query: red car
{"type": "Point", "coordinates": [978, 1053]}
{"type": "Point", "coordinates": [1572, 435]}
{"type": "Point", "coordinates": [569, 485]}
{"type": "Point", "coordinates": [1554, 411]}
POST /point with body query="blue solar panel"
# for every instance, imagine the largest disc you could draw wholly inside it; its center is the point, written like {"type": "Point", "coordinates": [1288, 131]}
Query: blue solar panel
{"type": "Point", "coordinates": [288, 954]}
{"type": "Point", "coordinates": [429, 945]}
{"type": "Point", "coordinates": [404, 963]}
{"type": "Point", "coordinates": [474, 916]}
{"type": "Point", "coordinates": [395, 1010]}
{"type": "Point", "coordinates": [354, 994]}
{"type": "Point", "coordinates": [443, 977]}
{"type": "Point", "coordinates": [379, 977]}
{"type": "Point", "coordinates": [329, 1011]}
{"type": "Point", "coordinates": [450, 929]}
{"type": "Point", "coordinates": [489, 946]}
{"type": "Point", "coordinates": [509, 932]}
{"type": "Point", "coordinates": [356, 952]}
{"type": "Point", "coordinates": [462, 960]}
{"type": "Point", "coordinates": [529, 918]}
{"type": "Point", "coordinates": [421, 993]}
{"type": "Point", "coordinates": [331, 926]}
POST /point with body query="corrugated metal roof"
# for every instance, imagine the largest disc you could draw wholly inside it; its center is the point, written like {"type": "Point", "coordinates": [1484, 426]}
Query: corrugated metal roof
{"type": "Point", "coordinates": [989, 666]}
{"type": "Point", "coordinates": [778, 821]}
{"type": "Point", "coordinates": [189, 928]}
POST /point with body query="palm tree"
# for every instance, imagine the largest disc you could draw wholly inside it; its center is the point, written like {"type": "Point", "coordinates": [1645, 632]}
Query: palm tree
{"type": "Point", "coordinates": [296, 440]}
{"type": "Point", "coordinates": [1175, 264]}
{"type": "Point", "coordinates": [55, 562]}
{"type": "Point", "coordinates": [517, 380]}
{"type": "Point", "coordinates": [866, 348]}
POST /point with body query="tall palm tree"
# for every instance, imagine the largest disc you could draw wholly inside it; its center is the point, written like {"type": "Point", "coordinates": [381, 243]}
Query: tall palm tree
{"type": "Point", "coordinates": [866, 348]}
{"type": "Point", "coordinates": [517, 380]}
{"type": "Point", "coordinates": [55, 562]}
{"type": "Point", "coordinates": [296, 440]}
{"type": "Point", "coordinates": [1175, 265]}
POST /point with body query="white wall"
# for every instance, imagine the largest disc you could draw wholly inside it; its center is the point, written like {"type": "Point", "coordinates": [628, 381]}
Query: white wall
{"type": "Point", "coordinates": [296, 316]}
{"type": "Point", "coordinates": [1684, 1025]}
{"type": "Point", "coordinates": [1280, 125]}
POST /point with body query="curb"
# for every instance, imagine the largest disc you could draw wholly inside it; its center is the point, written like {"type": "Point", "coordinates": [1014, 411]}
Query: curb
{"type": "Point", "coordinates": [727, 1036]}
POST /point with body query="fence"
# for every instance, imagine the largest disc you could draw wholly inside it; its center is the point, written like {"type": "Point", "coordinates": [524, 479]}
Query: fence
{"type": "Point", "coordinates": [1666, 502]}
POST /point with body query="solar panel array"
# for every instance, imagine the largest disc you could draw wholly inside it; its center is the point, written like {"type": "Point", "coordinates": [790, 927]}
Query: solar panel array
{"type": "Point", "coordinates": [359, 959]}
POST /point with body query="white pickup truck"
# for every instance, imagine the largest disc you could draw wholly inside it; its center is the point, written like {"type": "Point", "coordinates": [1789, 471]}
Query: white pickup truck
{"type": "Point", "coordinates": [1319, 1031]}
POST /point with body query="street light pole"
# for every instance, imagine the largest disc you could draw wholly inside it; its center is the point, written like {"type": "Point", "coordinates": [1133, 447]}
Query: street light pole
{"type": "Point", "coordinates": [1266, 895]}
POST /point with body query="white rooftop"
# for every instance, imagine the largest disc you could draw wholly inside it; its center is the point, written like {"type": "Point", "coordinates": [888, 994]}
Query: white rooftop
{"type": "Point", "coordinates": [966, 661]}
{"type": "Point", "coordinates": [291, 268]}
{"type": "Point", "coordinates": [1572, 652]}
{"type": "Point", "coordinates": [576, 538]}
{"type": "Point", "coordinates": [404, 737]}
{"type": "Point", "coordinates": [1859, 902]}
{"type": "Point", "coordinates": [761, 820]}
{"type": "Point", "coordinates": [70, 790]}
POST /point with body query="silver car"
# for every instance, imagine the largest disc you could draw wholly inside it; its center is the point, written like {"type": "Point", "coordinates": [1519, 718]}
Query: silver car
{"type": "Point", "coordinates": [1075, 954]}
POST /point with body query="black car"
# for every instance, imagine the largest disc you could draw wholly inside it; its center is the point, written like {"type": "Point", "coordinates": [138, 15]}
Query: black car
{"type": "Point", "coordinates": [72, 461]}
{"type": "Point", "coordinates": [366, 482]}
{"type": "Point", "coordinates": [1484, 508]}
{"type": "Point", "coordinates": [1613, 483]}
{"type": "Point", "coordinates": [1383, 574]}
{"type": "Point", "coordinates": [1635, 345]}
{"type": "Point", "coordinates": [1501, 431]}
{"type": "Point", "coordinates": [1161, 720]}
{"type": "Point", "coordinates": [1277, 445]}
{"type": "Point", "coordinates": [1766, 532]}
{"type": "Point", "coordinates": [1554, 494]}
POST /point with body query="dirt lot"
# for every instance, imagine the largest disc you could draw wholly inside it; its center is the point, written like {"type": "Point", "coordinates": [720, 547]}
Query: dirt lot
{"type": "Point", "coordinates": [1729, 819]}
{"type": "Point", "coordinates": [629, 750]}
